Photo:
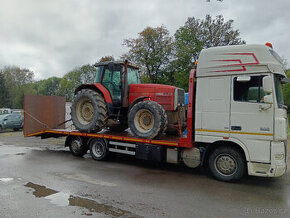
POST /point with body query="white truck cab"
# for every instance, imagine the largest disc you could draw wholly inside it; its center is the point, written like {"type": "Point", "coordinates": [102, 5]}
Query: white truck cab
{"type": "Point", "coordinates": [239, 105]}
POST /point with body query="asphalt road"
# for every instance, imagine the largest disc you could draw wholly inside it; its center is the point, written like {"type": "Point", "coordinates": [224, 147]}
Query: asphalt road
{"type": "Point", "coordinates": [40, 178]}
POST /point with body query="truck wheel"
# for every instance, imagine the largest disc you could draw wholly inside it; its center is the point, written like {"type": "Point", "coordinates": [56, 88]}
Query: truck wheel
{"type": "Point", "coordinates": [226, 164]}
{"type": "Point", "coordinates": [89, 112]}
{"type": "Point", "coordinates": [98, 149]}
{"type": "Point", "coordinates": [145, 120]}
{"type": "Point", "coordinates": [77, 145]}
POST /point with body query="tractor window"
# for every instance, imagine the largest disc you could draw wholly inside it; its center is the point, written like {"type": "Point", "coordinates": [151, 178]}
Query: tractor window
{"type": "Point", "coordinates": [98, 74]}
{"type": "Point", "coordinates": [133, 76]}
{"type": "Point", "coordinates": [112, 81]}
{"type": "Point", "coordinates": [251, 91]}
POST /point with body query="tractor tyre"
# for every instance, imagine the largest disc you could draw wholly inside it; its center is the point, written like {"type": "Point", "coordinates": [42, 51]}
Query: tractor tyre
{"type": "Point", "coordinates": [145, 120]}
{"type": "Point", "coordinates": [89, 112]}
{"type": "Point", "coordinates": [164, 119]}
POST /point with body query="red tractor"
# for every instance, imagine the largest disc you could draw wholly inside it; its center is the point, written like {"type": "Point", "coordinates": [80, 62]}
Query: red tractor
{"type": "Point", "coordinates": [117, 100]}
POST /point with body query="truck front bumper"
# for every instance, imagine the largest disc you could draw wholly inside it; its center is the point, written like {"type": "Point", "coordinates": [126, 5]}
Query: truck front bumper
{"type": "Point", "coordinates": [278, 164]}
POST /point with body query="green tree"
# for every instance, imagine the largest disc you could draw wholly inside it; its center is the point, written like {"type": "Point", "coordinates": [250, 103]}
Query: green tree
{"type": "Point", "coordinates": [106, 58]}
{"type": "Point", "coordinates": [3, 92]}
{"type": "Point", "coordinates": [68, 84]}
{"type": "Point", "coordinates": [87, 73]}
{"type": "Point", "coordinates": [151, 50]}
{"type": "Point", "coordinates": [195, 35]}
{"type": "Point", "coordinates": [81, 75]}
{"type": "Point", "coordinates": [48, 86]}
{"type": "Point", "coordinates": [15, 80]}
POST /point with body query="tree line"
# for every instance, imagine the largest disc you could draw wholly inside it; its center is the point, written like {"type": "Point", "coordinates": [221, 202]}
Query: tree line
{"type": "Point", "coordinates": [164, 58]}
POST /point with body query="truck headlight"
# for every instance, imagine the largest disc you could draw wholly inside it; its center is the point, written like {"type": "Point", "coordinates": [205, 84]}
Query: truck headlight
{"type": "Point", "coordinates": [279, 156]}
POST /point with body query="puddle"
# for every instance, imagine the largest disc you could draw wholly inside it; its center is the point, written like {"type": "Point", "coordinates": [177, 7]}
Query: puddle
{"type": "Point", "coordinates": [64, 199]}
{"type": "Point", "coordinates": [6, 179]}
{"type": "Point", "coordinates": [20, 154]}
{"type": "Point", "coordinates": [40, 191]}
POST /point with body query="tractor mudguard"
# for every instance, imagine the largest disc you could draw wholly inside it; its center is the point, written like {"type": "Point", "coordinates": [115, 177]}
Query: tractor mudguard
{"type": "Point", "coordinates": [99, 88]}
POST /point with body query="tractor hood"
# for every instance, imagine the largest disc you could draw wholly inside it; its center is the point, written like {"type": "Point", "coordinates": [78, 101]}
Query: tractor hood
{"type": "Point", "coordinates": [162, 94]}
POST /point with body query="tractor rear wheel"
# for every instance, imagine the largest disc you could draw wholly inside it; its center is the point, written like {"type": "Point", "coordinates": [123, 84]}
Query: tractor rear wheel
{"type": "Point", "coordinates": [145, 119]}
{"type": "Point", "coordinates": [89, 112]}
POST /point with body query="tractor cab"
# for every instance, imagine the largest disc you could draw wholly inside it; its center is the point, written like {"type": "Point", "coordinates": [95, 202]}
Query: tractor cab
{"type": "Point", "coordinates": [116, 77]}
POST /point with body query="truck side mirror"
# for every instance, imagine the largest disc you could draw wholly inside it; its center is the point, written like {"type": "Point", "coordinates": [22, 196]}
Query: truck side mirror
{"type": "Point", "coordinates": [268, 99]}
{"type": "Point", "coordinates": [268, 85]}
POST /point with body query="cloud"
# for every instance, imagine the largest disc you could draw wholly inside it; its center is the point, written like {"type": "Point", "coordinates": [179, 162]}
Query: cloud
{"type": "Point", "coordinates": [53, 37]}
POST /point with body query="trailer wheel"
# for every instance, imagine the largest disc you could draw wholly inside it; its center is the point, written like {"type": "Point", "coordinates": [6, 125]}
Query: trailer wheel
{"type": "Point", "coordinates": [89, 112]}
{"type": "Point", "coordinates": [145, 120]}
{"type": "Point", "coordinates": [226, 164]}
{"type": "Point", "coordinates": [77, 145]}
{"type": "Point", "coordinates": [98, 149]}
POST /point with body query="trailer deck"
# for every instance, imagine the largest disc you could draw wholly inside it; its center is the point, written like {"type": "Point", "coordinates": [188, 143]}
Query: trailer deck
{"type": "Point", "coordinates": [125, 136]}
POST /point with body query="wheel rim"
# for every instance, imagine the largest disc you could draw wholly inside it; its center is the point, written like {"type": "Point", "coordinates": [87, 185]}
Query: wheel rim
{"type": "Point", "coordinates": [225, 164]}
{"type": "Point", "coordinates": [98, 149]}
{"type": "Point", "coordinates": [75, 145]}
{"type": "Point", "coordinates": [144, 120]}
{"type": "Point", "coordinates": [85, 111]}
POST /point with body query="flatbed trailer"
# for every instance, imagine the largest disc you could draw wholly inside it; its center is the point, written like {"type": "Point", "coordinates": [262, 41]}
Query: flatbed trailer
{"type": "Point", "coordinates": [42, 113]}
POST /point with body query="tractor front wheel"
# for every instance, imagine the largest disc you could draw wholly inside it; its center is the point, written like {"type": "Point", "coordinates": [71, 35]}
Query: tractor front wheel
{"type": "Point", "coordinates": [145, 120]}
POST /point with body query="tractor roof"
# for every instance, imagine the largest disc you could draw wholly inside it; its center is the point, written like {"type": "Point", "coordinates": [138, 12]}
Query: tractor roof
{"type": "Point", "coordinates": [105, 63]}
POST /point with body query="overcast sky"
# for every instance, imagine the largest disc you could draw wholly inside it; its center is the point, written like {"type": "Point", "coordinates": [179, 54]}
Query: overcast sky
{"type": "Point", "coordinates": [54, 36]}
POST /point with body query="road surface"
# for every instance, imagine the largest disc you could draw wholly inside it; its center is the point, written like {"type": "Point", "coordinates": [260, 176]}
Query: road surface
{"type": "Point", "coordinates": [40, 178]}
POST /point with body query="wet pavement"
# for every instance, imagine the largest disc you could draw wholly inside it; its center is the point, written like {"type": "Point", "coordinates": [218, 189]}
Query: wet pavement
{"type": "Point", "coordinates": [40, 178]}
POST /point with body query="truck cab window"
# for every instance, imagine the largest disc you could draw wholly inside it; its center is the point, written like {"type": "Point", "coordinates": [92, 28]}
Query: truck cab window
{"type": "Point", "coordinates": [250, 91]}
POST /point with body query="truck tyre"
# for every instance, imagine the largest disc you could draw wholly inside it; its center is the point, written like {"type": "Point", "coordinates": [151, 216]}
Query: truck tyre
{"type": "Point", "coordinates": [89, 112]}
{"type": "Point", "coordinates": [77, 145]}
{"type": "Point", "coordinates": [98, 149]}
{"type": "Point", "coordinates": [145, 120]}
{"type": "Point", "coordinates": [226, 164]}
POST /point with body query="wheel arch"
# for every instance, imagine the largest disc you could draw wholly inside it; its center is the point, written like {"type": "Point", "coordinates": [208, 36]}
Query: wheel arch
{"type": "Point", "coordinates": [137, 100]}
{"type": "Point", "coordinates": [212, 146]}
{"type": "Point", "coordinates": [92, 139]}
{"type": "Point", "coordinates": [70, 137]}
{"type": "Point", "coordinates": [97, 87]}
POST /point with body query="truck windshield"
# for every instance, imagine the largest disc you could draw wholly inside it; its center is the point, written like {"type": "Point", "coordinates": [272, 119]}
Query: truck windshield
{"type": "Point", "coordinates": [278, 90]}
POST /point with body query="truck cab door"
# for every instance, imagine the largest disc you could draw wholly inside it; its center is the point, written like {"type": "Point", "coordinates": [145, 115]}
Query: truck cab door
{"type": "Point", "coordinates": [251, 119]}
{"type": "Point", "coordinates": [212, 107]}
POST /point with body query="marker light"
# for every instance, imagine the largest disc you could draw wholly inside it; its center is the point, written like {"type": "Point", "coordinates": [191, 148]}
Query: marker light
{"type": "Point", "coordinates": [269, 44]}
